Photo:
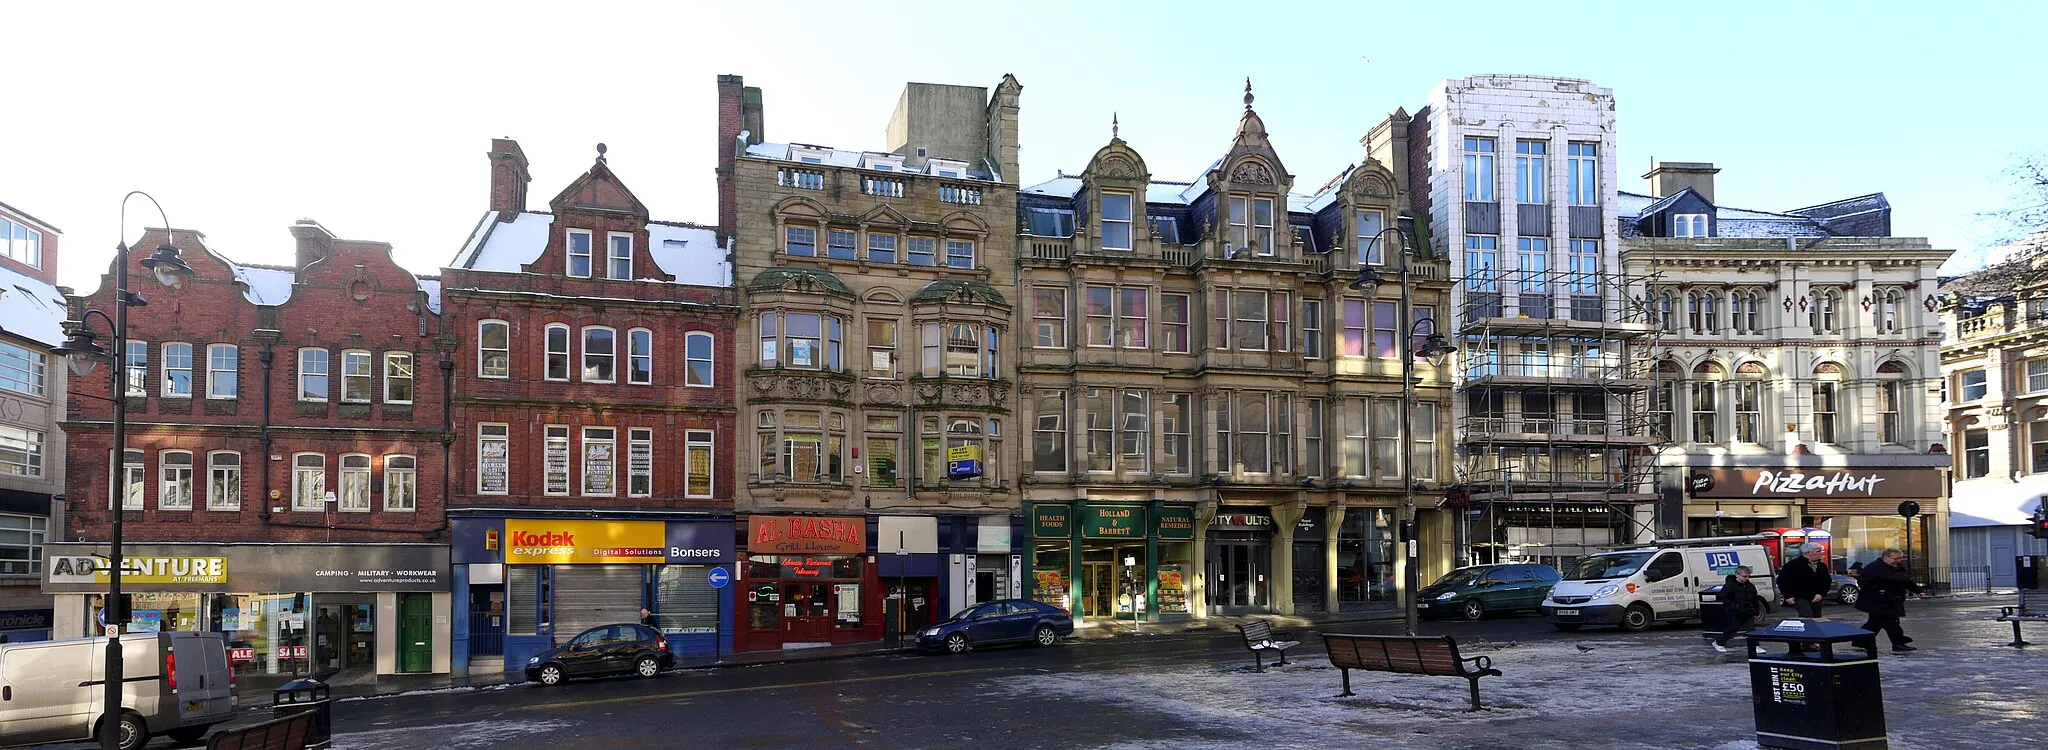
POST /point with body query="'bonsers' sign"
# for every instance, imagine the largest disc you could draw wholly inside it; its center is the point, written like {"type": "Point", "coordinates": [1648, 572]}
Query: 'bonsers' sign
{"type": "Point", "coordinates": [1747, 483]}
{"type": "Point", "coordinates": [263, 568]}
{"type": "Point", "coordinates": [807, 535]}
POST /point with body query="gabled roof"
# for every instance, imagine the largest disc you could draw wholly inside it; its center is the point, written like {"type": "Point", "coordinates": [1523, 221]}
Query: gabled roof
{"type": "Point", "coordinates": [688, 252]}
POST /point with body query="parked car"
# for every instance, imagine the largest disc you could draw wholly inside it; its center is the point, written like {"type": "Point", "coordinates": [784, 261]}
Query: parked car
{"type": "Point", "coordinates": [1000, 621]}
{"type": "Point", "coordinates": [175, 684]}
{"type": "Point", "coordinates": [603, 650]}
{"type": "Point", "coordinates": [1473, 592]}
{"type": "Point", "coordinates": [1844, 589]}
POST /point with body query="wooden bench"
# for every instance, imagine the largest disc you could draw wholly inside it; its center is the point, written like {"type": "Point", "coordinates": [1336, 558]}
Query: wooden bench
{"type": "Point", "coordinates": [283, 733]}
{"type": "Point", "coordinates": [1436, 656]}
{"type": "Point", "coordinates": [1258, 638]}
{"type": "Point", "coordinates": [2025, 612]}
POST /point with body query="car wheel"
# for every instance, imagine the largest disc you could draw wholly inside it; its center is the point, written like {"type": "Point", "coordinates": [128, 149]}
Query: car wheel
{"type": "Point", "coordinates": [1637, 618]}
{"type": "Point", "coordinates": [647, 667]}
{"type": "Point", "coordinates": [188, 735]}
{"type": "Point", "coordinates": [1569, 627]}
{"type": "Point", "coordinates": [551, 674]}
{"type": "Point", "coordinates": [1849, 594]}
{"type": "Point", "coordinates": [956, 643]}
{"type": "Point", "coordinates": [1473, 610]}
{"type": "Point", "coordinates": [1045, 636]}
{"type": "Point", "coordinates": [133, 732]}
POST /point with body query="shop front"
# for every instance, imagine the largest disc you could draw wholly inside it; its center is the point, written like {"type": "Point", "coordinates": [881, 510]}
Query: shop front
{"type": "Point", "coordinates": [529, 584]}
{"type": "Point", "coordinates": [24, 625]}
{"type": "Point", "coordinates": [283, 608]}
{"type": "Point", "coordinates": [1112, 559]}
{"type": "Point", "coordinates": [813, 580]}
{"type": "Point", "coordinates": [1240, 560]}
{"type": "Point", "coordinates": [1860, 509]}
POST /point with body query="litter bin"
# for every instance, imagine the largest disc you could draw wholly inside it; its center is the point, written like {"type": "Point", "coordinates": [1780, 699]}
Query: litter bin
{"type": "Point", "coordinates": [1816, 700]}
{"type": "Point", "coordinates": [300, 696]}
{"type": "Point", "coordinates": [1714, 618]}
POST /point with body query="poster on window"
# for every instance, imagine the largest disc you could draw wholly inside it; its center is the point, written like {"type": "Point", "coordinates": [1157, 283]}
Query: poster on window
{"type": "Point", "coordinates": [640, 465]}
{"type": "Point", "coordinates": [491, 467]}
{"type": "Point", "coordinates": [558, 466]}
{"type": "Point", "coordinates": [803, 353]}
{"type": "Point", "coordinates": [700, 471]}
{"type": "Point", "coordinates": [597, 468]}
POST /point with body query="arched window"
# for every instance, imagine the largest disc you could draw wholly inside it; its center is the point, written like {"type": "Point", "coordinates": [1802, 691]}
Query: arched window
{"type": "Point", "coordinates": [1701, 313]}
{"type": "Point", "coordinates": [640, 356]}
{"type": "Point", "coordinates": [1747, 398]}
{"type": "Point", "coordinates": [1746, 311]}
{"type": "Point", "coordinates": [1665, 307]}
{"type": "Point", "coordinates": [1824, 315]}
{"type": "Point", "coordinates": [600, 354]}
{"type": "Point", "coordinates": [1706, 402]}
{"type": "Point", "coordinates": [401, 483]}
{"type": "Point", "coordinates": [309, 482]}
{"type": "Point", "coordinates": [699, 348]}
{"type": "Point", "coordinates": [1890, 309]}
{"type": "Point", "coordinates": [1664, 379]}
{"type": "Point", "coordinates": [175, 492]}
{"type": "Point", "coordinates": [557, 352]}
{"type": "Point", "coordinates": [1892, 403]}
{"type": "Point", "coordinates": [1827, 396]}
{"type": "Point", "coordinates": [355, 483]}
{"type": "Point", "coordinates": [493, 349]}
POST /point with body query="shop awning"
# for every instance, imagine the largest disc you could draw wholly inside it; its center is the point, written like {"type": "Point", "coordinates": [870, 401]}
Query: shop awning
{"type": "Point", "coordinates": [1992, 503]}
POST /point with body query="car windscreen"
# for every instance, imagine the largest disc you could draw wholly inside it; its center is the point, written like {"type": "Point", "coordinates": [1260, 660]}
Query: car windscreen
{"type": "Point", "coordinates": [1459, 577]}
{"type": "Point", "coordinates": [1608, 566]}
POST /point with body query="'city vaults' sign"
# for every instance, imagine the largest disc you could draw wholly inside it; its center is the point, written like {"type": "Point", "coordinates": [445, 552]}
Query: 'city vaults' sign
{"type": "Point", "coordinates": [1789, 482]}
{"type": "Point", "coordinates": [1113, 522]}
{"type": "Point", "coordinates": [796, 535]}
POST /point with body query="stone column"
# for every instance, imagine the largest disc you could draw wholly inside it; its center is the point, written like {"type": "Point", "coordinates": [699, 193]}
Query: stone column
{"type": "Point", "coordinates": [1331, 522]}
{"type": "Point", "coordinates": [1198, 571]}
{"type": "Point", "coordinates": [1285, 516]}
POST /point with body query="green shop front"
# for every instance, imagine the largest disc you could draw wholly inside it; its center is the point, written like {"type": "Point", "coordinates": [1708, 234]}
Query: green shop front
{"type": "Point", "coordinates": [1112, 559]}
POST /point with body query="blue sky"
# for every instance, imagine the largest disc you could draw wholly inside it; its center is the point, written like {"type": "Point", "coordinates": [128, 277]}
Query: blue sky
{"type": "Point", "coordinates": [373, 117]}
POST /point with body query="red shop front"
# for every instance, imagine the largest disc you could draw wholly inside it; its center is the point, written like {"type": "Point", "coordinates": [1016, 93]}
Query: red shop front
{"type": "Point", "coordinates": [807, 581]}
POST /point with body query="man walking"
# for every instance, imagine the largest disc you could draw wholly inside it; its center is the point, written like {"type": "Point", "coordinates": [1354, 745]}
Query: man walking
{"type": "Point", "coordinates": [1885, 588]}
{"type": "Point", "coordinates": [1803, 580]}
{"type": "Point", "coordinates": [1742, 600]}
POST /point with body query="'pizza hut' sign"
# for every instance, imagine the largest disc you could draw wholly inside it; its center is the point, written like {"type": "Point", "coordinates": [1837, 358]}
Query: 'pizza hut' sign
{"type": "Point", "coordinates": [1803, 482]}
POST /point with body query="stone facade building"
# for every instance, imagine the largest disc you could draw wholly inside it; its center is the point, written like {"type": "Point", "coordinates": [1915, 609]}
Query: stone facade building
{"type": "Point", "coordinates": [1994, 377]}
{"type": "Point", "coordinates": [1801, 342]}
{"type": "Point", "coordinates": [878, 369]}
{"type": "Point", "coordinates": [1214, 414]}
{"type": "Point", "coordinates": [32, 397]}
{"type": "Point", "coordinates": [593, 417]}
{"type": "Point", "coordinates": [285, 443]}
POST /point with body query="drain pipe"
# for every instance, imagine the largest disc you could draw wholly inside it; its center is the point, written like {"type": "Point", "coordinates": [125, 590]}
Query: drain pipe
{"type": "Point", "coordinates": [263, 498]}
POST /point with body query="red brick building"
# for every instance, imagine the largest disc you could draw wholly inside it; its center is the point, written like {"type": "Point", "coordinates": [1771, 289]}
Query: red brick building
{"type": "Point", "coordinates": [286, 432]}
{"type": "Point", "coordinates": [595, 405]}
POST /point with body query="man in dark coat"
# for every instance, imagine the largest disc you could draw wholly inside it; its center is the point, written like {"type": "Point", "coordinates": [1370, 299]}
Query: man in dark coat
{"type": "Point", "coordinates": [1803, 580]}
{"type": "Point", "coordinates": [1742, 599]}
{"type": "Point", "coordinates": [1885, 588]}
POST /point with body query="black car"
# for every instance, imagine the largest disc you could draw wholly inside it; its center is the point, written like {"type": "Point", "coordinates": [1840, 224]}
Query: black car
{"type": "Point", "coordinates": [1000, 621]}
{"type": "Point", "coordinates": [1476, 591]}
{"type": "Point", "coordinates": [1844, 589]}
{"type": "Point", "coordinates": [602, 650]}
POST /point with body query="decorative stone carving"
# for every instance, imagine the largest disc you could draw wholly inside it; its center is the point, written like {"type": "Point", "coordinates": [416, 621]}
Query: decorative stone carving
{"type": "Point", "coordinates": [1118, 167]}
{"type": "Point", "coordinates": [1375, 185]}
{"type": "Point", "coordinates": [1252, 173]}
{"type": "Point", "coordinates": [884, 393]}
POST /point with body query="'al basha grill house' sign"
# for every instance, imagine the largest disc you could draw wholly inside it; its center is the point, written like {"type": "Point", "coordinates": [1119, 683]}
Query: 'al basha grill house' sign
{"type": "Point", "coordinates": [1749, 483]}
{"type": "Point", "coordinates": [785, 535]}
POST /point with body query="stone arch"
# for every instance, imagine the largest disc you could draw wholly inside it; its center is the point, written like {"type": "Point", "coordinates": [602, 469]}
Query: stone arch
{"type": "Point", "coordinates": [799, 207]}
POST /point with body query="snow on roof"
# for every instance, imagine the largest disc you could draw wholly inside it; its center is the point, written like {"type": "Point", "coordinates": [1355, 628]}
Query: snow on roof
{"type": "Point", "coordinates": [690, 253]}
{"type": "Point", "coordinates": [1632, 204]}
{"type": "Point", "coordinates": [31, 308]}
{"type": "Point", "coordinates": [1166, 192]}
{"type": "Point", "coordinates": [1984, 502]}
{"type": "Point", "coordinates": [267, 285]}
{"type": "Point", "coordinates": [1320, 202]}
{"type": "Point", "coordinates": [432, 286]}
{"type": "Point", "coordinates": [1299, 203]}
{"type": "Point", "coordinates": [505, 246]}
{"type": "Point", "coordinates": [833, 157]}
{"type": "Point", "coordinates": [1063, 186]}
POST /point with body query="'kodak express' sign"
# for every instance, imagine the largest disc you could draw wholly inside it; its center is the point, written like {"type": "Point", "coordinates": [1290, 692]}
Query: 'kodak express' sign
{"type": "Point", "coordinates": [550, 541]}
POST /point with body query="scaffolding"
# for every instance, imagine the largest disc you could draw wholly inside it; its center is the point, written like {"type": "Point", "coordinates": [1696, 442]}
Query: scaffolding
{"type": "Point", "coordinates": [1555, 428]}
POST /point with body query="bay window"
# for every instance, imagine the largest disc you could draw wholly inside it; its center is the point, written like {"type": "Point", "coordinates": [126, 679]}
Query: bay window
{"type": "Point", "coordinates": [795, 340]}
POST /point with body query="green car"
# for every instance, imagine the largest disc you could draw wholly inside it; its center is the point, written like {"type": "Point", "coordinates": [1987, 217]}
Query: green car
{"type": "Point", "coordinates": [1473, 592]}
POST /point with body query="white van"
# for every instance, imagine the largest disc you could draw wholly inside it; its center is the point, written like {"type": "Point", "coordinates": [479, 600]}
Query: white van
{"type": "Point", "coordinates": [1634, 586]}
{"type": "Point", "coordinates": [174, 683]}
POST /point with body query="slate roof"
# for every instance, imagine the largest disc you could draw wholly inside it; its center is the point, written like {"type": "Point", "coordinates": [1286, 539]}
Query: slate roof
{"type": "Point", "coordinates": [688, 252]}
{"type": "Point", "coordinates": [1861, 216]}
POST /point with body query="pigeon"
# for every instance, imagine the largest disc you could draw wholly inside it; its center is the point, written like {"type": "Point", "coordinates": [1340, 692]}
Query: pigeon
{"type": "Point", "coordinates": [1584, 649]}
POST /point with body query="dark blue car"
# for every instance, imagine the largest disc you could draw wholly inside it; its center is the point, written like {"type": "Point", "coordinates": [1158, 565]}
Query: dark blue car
{"type": "Point", "coordinates": [1000, 621]}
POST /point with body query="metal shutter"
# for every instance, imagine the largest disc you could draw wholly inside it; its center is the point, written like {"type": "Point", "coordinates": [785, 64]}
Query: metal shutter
{"type": "Point", "coordinates": [587, 596]}
{"type": "Point", "coordinates": [688, 602]}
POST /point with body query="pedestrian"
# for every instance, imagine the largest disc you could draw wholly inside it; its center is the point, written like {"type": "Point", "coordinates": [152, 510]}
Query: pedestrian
{"type": "Point", "coordinates": [1742, 600]}
{"type": "Point", "coordinates": [1885, 588]}
{"type": "Point", "coordinates": [646, 617]}
{"type": "Point", "coordinates": [1803, 581]}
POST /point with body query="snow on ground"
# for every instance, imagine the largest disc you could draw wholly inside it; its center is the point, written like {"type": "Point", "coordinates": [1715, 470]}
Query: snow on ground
{"type": "Point", "coordinates": [492, 733]}
{"type": "Point", "coordinates": [1643, 691]}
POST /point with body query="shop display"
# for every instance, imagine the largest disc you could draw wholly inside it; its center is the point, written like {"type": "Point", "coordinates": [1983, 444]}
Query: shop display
{"type": "Point", "coordinates": [1173, 593]}
{"type": "Point", "coordinates": [1051, 587]}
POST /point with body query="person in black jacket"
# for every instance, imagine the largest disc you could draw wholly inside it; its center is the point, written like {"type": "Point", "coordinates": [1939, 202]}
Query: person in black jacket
{"type": "Point", "coordinates": [1742, 600]}
{"type": "Point", "coordinates": [1803, 580]}
{"type": "Point", "coordinates": [1885, 588]}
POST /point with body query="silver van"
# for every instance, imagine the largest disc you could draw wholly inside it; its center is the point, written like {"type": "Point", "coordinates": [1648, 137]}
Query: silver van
{"type": "Point", "coordinates": [176, 684]}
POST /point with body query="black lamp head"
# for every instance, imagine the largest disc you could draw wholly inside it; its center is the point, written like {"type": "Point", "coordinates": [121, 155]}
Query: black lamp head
{"type": "Point", "coordinates": [170, 269]}
{"type": "Point", "coordinates": [1368, 280]}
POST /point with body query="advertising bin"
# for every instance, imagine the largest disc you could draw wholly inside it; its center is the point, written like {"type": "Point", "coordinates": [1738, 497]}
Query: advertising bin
{"type": "Point", "coordinates": [1714, 618]}
{"type": "Point", "coordinates": [1816, 700]}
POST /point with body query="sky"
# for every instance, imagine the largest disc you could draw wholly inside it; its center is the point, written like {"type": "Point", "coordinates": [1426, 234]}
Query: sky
{"type": "Point", "coordinates": [373, 117]}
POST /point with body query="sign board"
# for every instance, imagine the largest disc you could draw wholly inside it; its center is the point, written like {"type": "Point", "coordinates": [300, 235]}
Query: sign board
{"type": "Point", "coordinates": [563, 541]}
{"type": "Point", "coordinates": [699, 542]}
{"type": "Point", "coordinates": [138, 569]}
{"type": "Point", "coordinates": [1175, 522]}
{"type": "Point", "coordinates": [718, 577]}
{"type": "Point", "coordinates": [1746, 483]}
{"type": "Point", "coordinates": [963, 462]}
{"type": "Point", "coordinates": [807, 535]}
{"type": "Point", "coordinates": [79, 567]}
{"type": "Point", "coordinates": [1243, 519]}
{"type": "Point", "coordinates": [1722, 563]}
{"type": "Point", "coordinates": [1113, 522]}
{"type": "Point", "coordinates": [1051, 521]}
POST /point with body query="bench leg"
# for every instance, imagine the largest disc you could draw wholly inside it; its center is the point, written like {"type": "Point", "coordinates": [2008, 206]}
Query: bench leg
{"type": "Point", "coordinates": [1258, 661]}
{"type": "Point", "coordinates": [1283, 659]}
{"type": "Point", "coordinates": [2017, 641]}
{"type": "Point", "coordinates": [1475, 692]}
{"type": "Point", "coordinates": [1347, 684]}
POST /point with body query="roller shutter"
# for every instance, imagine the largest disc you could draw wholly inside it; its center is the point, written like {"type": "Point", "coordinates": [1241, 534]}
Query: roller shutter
{"type": "Point", "coordinates": [587, 596]}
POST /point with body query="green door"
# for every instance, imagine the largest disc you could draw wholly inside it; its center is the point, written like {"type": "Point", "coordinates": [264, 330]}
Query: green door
{"type": "Point", "coordinates": [415, 632]}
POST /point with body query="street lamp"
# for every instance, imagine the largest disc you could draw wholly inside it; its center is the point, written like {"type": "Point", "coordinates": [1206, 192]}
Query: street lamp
{"type": "Point", "coordinates": [84, 353]}
{"type": "Point", "coordinates": [1436, 349]}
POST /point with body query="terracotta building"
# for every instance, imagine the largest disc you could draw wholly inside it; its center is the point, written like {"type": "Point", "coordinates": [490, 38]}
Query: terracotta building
{"type": "Point", "coordinates": [594, 419]}
{"type": "Point", "coordinates": [285, 465]}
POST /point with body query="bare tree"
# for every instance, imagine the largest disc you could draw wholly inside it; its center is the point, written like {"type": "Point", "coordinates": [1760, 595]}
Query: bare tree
{"type": "Point", "coordinates": [2022, 237]}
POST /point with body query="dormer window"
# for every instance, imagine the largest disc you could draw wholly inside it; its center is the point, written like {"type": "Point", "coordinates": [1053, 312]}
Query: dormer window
{"type": "Point", "coordinates": [884, 167]}
{"type": "Point", "coordinates": [1116, 221]}
{"type": "Point", "coordinates": [1253, 216]}
{"type": "Point", "coordinates": [579, 253]}
{"type": "Point", "coordinates": [621, 265]}
{"type": "Point", "coordinates": [1688, 225]}
{"type": "Point", "coordinates": [1371, 222]}
{"type": "Point", "coordinates": [810, 160]}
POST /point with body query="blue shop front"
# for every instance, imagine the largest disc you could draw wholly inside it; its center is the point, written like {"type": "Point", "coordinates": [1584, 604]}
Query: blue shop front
{"type": "Point", "coordinates": [532, 582]}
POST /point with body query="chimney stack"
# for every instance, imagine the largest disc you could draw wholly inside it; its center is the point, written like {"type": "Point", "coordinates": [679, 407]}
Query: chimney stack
{"type": "Point", "coordinates": [739, 111]}
{"type": "Point", "coordinates": [315, 243]}
{"type": "Point", "coordinates": [1669, 177]}
{"type": "Point", "coordinates": [508, 178]}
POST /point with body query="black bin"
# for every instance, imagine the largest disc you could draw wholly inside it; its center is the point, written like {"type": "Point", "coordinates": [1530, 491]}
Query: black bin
{"type": "Point", "coordinates": [300, 696]}
{"type": "Point", "coordinates": [1816, 700]}
{"type": "Point", "coordinates": [1714, 618]}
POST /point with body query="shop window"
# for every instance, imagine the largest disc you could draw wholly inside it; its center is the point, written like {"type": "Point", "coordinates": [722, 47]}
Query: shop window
{"type": "Point", "coordinates": [175, 491]}
{"type": "Point", "coordinates": [493, 448]}
{"type": "Point", "coordinates": [640, 462]}
{"type": "Point", "coordinates": [699, 461]}
{"type": "Point", "coordinates": [224, 481]}
{"type": "Point", "coordinates": [1365, 557]}
{"type": "Point", "coordinates": [685, 602]}
{"type": "Point", "coordinates": [599, 452]}
{"type": "Point", "coordinates": [309, 482]}
{"type": "Point", "coordinates": [401, 484]}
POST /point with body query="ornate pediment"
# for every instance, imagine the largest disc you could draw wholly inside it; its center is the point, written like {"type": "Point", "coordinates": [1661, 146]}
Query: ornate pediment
{"type": "Point", "coordinates": [786, 385]}
{"type": "Point", "coordinates": [1252, 173]}
{"type": "Point", "coordinates": [967, 393]}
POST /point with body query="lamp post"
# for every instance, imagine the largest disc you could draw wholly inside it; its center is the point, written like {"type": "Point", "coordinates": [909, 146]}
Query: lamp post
{"type": "Point", "coordinates": [1434, 347]}
{"type": "Point", "coordinates": [84, 353]}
